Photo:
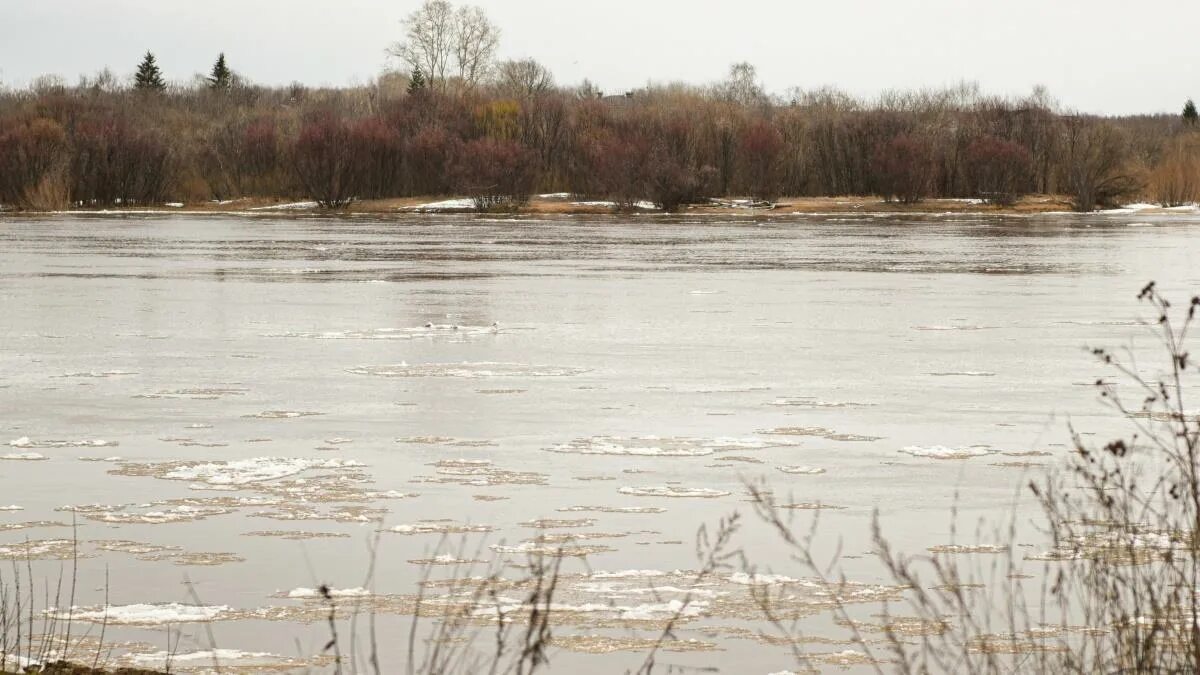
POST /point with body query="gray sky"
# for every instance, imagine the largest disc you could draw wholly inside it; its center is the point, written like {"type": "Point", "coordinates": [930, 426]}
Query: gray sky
{"type": "Point", "coordinates": [1107, 56]}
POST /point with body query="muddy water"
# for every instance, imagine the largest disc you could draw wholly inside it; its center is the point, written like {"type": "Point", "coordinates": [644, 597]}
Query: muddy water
{"type": "Point", "coordinates": [193, 391]}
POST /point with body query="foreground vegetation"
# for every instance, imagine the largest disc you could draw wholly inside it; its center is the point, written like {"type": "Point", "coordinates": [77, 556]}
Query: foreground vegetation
{"type": "Point", "coordinates": [451, 120]}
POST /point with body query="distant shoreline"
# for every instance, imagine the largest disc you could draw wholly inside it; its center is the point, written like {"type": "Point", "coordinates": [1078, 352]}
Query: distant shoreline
{"type": "Point", "coordinates": [561, 204]}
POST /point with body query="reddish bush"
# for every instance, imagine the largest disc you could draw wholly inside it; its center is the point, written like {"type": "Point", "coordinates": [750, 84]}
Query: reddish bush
{"type": "Point", "coordinates": [998, 170]}
{"type": "Point", "coordinates": [427, 155]}
{"type": "Point", "coordinates": [618, 165]}
{"type": "Point", "coordinates": [323, 158]}
{"type": "Point", "coordinates": [760, 149]}
{"type": "Point", "coordinates": [115, 162]}
{"type": "Point", "coordinates": [378, 152]}
{"type": "Point", "coordinates": [494, 172]}
{"type": "Point", "coordinates": [902, 168]}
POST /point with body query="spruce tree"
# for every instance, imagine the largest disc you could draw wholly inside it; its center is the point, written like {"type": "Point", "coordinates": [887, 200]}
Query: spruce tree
{"type": "Point", "coordinates": [149, 77]}
{"type": "Point", "coordinates": [416, 82]}
{"type": "Point", "coordinates": [1189, 113]}
{"type": "Point", "coordinates": [221, 76]}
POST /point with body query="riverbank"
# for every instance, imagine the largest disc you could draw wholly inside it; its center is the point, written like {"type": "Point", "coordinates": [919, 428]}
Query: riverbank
{"type": "Point", "coordinates": [565, 204]}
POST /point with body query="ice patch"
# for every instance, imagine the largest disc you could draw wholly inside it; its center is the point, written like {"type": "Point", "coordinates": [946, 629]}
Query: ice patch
{"type": "Point", "coordinates": [445, 205]}
{"type": "Point", "coordinates": [26, 442]}
{"type": "Point", "coordinates": [256, 470]}
{"type": "Point", "coordinates": [746, 579]}
{"type": "Point", "coordinates": [648, 206]}
{"type": "Point", "coordinates": [287, 207]}
{"type": "Point", "coordinates": [943, 452]}
{"type": "Point", "coordinates": [801, 470]}
{"type": "Point", "coordinates": [24, 456]}
{"type": "Point", "coordinates": [673, 491]}
{"type": "Point", "coordinates": [230, 658]}
{"type": "Point", "coordinates": [12, 507]}
{"type": "Point", "coordinates": [149, 615]}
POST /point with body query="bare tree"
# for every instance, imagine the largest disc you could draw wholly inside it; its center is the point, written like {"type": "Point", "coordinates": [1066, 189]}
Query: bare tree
{"type": "Point", "coordinates": [429, 41]}
{"type": "Point", "coordinates": [525, 79]}
{"type": "Point", "coordinates": [742, 85]}
{"type": "Point", "coordinates": [441, 42]}
{"type": "Point", "coordinates": [1097, 164]}
{"type": "Point", "coordinates": [475, 40]}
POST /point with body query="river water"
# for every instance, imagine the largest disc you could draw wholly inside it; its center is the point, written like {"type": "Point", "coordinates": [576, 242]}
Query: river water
{"type": "Point", "coordinates": [190, 392]}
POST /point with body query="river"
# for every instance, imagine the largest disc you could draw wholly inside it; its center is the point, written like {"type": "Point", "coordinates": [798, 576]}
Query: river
{"type": "Point", "coordinates": [188, 392]}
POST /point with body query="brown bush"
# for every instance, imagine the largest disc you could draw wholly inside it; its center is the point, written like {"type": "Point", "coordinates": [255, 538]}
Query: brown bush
{"type": "Point", "coordinates": [903, 168]}
{"type": "Point", "coordinates": [1098, 166]}
{"type": "Point", "coordinates": [998, 170]}
{"type": "Point", "coordinates": [1176, 179]}
{"type": "Point", "coordinates": [324, 161]}
{"type": "Point", "coordinates": [33, 162]}
{"type": "Point", "coordinates": [495, 173]}
{"type": "Point", "coordinates": [760, 151]}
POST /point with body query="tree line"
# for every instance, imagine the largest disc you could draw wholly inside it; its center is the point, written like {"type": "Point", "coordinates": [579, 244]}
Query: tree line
{"type": "Point", "coordinates": [453, 120]}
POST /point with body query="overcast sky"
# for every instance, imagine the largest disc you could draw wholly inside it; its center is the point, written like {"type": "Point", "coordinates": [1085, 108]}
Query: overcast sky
{"type": "Point", "coordinates": [1105, 56]}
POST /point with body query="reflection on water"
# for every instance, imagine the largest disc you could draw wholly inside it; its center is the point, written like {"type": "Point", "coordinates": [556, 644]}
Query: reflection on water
{"type": "Point", "coordinates": [250, 400]}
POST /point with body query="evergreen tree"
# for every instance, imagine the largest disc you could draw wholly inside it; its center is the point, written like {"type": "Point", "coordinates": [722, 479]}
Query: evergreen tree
{"type": "Point", "coordinates": [149, 77]}
{"type": "Point", "coordinates": [221, 76]}
{"type": "Point", "coordinates": [416, 82]}
{"type": "Point", "coordinates": [1189, 113]}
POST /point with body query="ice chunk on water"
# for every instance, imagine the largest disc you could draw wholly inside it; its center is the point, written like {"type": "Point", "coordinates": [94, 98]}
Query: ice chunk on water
{"type": "Point", "coordinates": [944, 452]}
{"type": "Point", "coordinates": [673, 491]}
{"type": "Point", "coordinates": [149, 615]}
{"type": "Point", "coordinates": [242, 471]}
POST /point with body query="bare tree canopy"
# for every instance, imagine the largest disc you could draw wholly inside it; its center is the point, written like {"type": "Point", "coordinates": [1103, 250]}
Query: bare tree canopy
{"type": "Point", "coordinates": [524, 79]}
{"type": "Point", "coordinates": [443, 43]}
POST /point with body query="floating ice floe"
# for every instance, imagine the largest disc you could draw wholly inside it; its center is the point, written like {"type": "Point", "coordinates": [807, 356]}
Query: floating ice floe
{"type": "Point", "coordinates": [811, 402]}
{"type": "Point", "coordinates": [235, 472]}
{"type": "Point", "coordinates": [655, 446]}
{"type": "Point", "coordinates": [282, 414]}
{"type": "Point", "coordinates": [944, 452]}
{"type": "Point", "coordinates": [429, 330]}
{"type": "Point", "coordinates": [801, 470]}
{"type": "Point", "coordinates": [467, 370]}
{"type": "Point", "coordinates": [440, 528]}
{"type": "Point", "coordinates": [964, 373]}
{"type": "Point", "coordinates": [24, 456]}
{"type": "Point", "coordinates": [147, 614]}
{"type": "Point", "coordinates": [26, 442]}
{"type": "Point", "coordinates": [46, 549]}
{"type": "Point", "coordinates": [820, 432]}
{"type": "Point", "coordinates": [12, 507]}
{"type": "Point", "coordinates": [228, 658]}
{"type": "Point", "coordinates": [673, 491]}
